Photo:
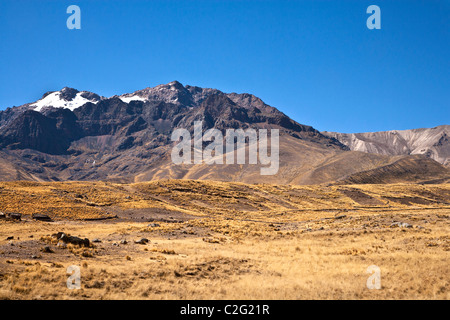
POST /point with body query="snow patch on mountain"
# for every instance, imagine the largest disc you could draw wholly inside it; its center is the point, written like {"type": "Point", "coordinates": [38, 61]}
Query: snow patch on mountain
{"type": "Point", "coordinates": [128, 99]}
{"type": "Point", "coordinates": [56, 101]}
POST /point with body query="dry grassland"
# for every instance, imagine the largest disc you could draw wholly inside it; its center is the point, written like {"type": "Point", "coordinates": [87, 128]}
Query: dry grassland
{"type": "Point", "coordinates": [218, 240]}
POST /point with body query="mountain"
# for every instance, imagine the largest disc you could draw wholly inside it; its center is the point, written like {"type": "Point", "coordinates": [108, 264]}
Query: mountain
{"type": "Point", "coordinates": [431, 142]}
{"type": "Point", "coordinates": [79, 135]}
{"type": "Point", "coordinates": [67, 98]}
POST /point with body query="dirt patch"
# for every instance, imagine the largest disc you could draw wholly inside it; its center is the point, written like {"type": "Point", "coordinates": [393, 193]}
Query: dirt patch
{"type": "Point", "coordinates": [439, 195]}
{"type": "Point", "coordinates": [213, 269]}
{"type": "Point", "coordinates": [16, 249]}
{"type": "Point", "coordinates": [410, 200]}
{"type": "Point", "coordinates": [150, 215]}
{"type": "Point", "coordinates": [361, 197]}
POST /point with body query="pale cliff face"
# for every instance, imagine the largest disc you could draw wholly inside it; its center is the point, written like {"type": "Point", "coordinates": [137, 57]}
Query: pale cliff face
{"type": "Point", "coordinates": [432, 142]}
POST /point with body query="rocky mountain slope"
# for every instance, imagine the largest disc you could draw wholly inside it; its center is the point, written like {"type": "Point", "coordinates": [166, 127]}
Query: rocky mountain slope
{"type": "Point", "coordinates": [73, 135]}
{"type": "Point", "coordinates": [432, 142]}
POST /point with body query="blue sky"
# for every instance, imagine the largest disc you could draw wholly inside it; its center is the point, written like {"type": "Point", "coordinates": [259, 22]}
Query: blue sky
{"type": "Point", "coordinates": [314, 60]}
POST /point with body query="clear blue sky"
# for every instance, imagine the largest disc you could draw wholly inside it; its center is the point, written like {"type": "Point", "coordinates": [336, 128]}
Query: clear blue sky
{"type": "Point", "coordinates": [314, 60]}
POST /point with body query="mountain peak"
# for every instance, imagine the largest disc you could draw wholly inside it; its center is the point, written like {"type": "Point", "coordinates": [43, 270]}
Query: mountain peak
{"type": "Point", "coordinates": [176, 85]}
{"type": "Point", "coordinates": [68, 94]}
{"type": "Point", "coordinates": [67, 97]}
{"type": "Point", "coordinates": [172, 92]}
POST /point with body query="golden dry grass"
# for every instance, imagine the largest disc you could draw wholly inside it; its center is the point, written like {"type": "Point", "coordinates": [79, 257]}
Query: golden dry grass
{"type": "Point", "coordinates": [239, 241]}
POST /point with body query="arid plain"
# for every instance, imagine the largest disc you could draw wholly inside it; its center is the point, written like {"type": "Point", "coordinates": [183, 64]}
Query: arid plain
{"type": "Point", "coordinates": [187, 239]}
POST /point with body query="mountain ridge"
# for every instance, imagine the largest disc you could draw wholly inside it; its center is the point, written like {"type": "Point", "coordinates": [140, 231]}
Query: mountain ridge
{"type": "Point", "coordinates": [127, 138]}
{"type": "Point", "coordinates": [432, 142]}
